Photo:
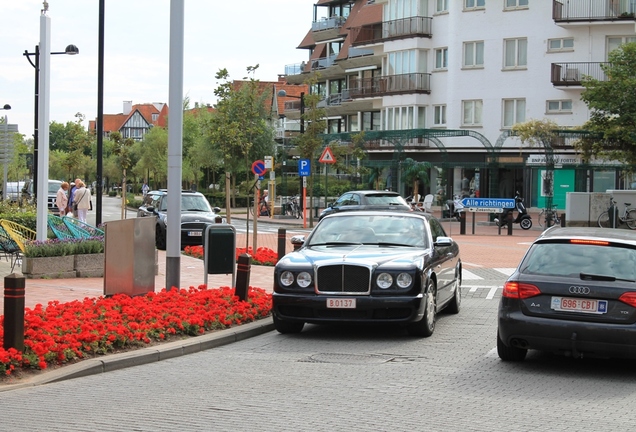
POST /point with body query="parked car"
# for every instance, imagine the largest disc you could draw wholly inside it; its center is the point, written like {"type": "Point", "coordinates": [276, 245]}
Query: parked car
{"type": "Point", "coordinates": [369, 267]}
{"type": "Point", "coordinates": [196, 214]}
{"type": "Point", "coordinates": [366, 200]}
{"type": "Point", "coordinates": [574, 293]}
{"type": "Point", "coordinates": [24, 189]}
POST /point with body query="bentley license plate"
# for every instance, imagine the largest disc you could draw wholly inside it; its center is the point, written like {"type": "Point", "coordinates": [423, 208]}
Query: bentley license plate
{"type": "Point", "coordinates": [341, 303]}
{"type": "Point", "coordinates": [195, 233]}
{"type": "Point", "coordinates": [568, 304]}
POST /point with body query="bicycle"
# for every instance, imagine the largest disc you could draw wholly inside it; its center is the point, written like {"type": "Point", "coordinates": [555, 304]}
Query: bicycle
{"type": "Point", "coordinates": [263, 208]}
{"type": "Point", "coordinates": [292, 208]}
{"type": "Point", "coordinates": [548, 218]}
{"type": "Point", "coordinates": [628, 217]}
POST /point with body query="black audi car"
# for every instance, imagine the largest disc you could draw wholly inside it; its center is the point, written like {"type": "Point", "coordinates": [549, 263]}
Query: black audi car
{"type": "Point", "coordinates": [574, 293]}
{"type": "Point", "coordinates": [196, 214]}
{"type": "Point", "coordinates": [369, 267]}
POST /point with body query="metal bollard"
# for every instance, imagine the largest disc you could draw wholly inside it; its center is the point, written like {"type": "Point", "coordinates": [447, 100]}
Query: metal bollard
{"type": "Point", "coordinates": [14, 289]}
{"type": "Point", "coordinates": [462, 223]}
{"type": "Point", "coordinates": [563, 220]}
{"type": "Point", "coordinates": [510, 222]}
{"type": "Point", "coordinates": [282, 236]}
{"type": "Point", "coordinates": [243, 268]}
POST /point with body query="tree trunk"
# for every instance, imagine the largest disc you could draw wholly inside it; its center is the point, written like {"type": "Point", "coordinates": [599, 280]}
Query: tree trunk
{"type": "Point", "coordinates": [228, 214]}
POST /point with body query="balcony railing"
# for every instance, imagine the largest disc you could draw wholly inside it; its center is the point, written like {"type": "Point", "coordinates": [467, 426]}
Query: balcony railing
{"type": "Point", "coordinates": [390, 84]}
{"type": "Point", "coordinates": [323, 62]}
{"type": "Point", "coordinates": [571, 74]}
{"type": "Point", "coordinates": [593, 10]}
{"type": "Point", "coordinates": [292, 105]}
{"type": "Point", "coordinates": [294, 69]}
{"type": "Point", "coordinates": [335, 99]}
{"type": "Point", "coordinates": [395, 29]}
{"type": "Point", "coordinates": [359, 52]}
{"type": "Point", "coordinates": [328, 23]}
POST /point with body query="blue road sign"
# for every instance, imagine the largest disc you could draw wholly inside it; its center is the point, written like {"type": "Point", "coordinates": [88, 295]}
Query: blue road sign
{"type": "Point", "coordinates": [489, 202]}
{"type": "Point", "coordinates": [304, 167]}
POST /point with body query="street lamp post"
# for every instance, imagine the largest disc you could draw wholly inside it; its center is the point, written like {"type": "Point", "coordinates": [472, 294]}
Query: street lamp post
{"type": "Point", "coordinates": [70, 50]}
{"type": "Point", "coordinates": [5, 151]}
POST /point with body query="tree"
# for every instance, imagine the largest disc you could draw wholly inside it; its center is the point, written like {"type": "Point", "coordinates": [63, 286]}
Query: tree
{"type": "Point", "coordinates": [122, 151]}
{"type": "Point", "coordinates": [612, 109]}
{"type": "Point", "coordinates": [309, 144]}
{"type": "Point", "coordinates": [541, 133]}
{"type": "Point", "coordinates": [416, 172]}
{"type": "Point", "coordinates": [238, 123]}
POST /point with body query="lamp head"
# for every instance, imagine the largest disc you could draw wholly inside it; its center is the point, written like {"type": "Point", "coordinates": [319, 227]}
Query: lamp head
{"type": "Point", "coordinates": [6, 107]}
{"type": "Point", "coordinates": [71, 50]}
{"type": "Point", "coordinates": [282, 93]}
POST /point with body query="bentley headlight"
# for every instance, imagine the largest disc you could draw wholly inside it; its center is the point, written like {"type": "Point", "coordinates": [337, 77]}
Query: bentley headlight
{"type": "Point", "coordinates": [384, 280]}
{"type": "Point", "coordinates": [303, 279]}
{"type": "Point", "coordinates": [404, 280]}
{"type": "Point", "coordinates": [286, 278]}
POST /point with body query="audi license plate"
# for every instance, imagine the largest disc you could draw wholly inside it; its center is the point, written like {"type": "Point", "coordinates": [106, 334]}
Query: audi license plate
{"type": "Point", "coordinates": [341, 303]}
{"type": "Point", "coordinates": [195, 233]}
{"type": "Point", "coordinates": [568, 304]}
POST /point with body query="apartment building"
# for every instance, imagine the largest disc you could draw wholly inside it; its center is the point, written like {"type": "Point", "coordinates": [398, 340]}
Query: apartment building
{"type": "Point", "coordinates": [444, 81]}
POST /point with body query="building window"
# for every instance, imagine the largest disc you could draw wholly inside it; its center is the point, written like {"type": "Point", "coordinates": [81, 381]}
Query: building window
{"type": "Point", "coordinates": [441, 58]}
{"type": "Point", "coordinates": [404, 62]}
{"type": "Point", "coordinates": [371, 120]}
{"type": "Point", "coordinates": [515, 53]}
{"type": "Point", "coordinates": [399, 118]}
{"type": "Point", "coordinates": [352, 123]}
{"type": "Point", "coordinates": [559, 45]}
{"type": "Point", "coordinates": [615, 42]}
{"type": "Point", "coordinates": [472, 111]}
{"type": "Point", "coordinates": [559, 106]}
{"type": "Point", "coordinates": [516, 4]}
{"type": "Point", "coordinates": [514, 111]}
{"type": "Point", "coordinates": [474, 4]}
{"type": "Point", "coordinates": [155, 117]}
{"type": "Point", "coordinates": [439, 118]}
{"type": "Point", "coordinates": [474, 54]}
{"type": "Point", "coordinates": [441, 6]}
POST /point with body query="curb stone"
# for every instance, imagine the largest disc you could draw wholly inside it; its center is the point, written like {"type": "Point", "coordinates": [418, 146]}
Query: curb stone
{"type": "Point", "coordinates": [148, 355]}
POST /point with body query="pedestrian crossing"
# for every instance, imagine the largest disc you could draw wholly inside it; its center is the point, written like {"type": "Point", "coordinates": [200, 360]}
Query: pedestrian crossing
{"type": "Point", "coordinates": [484, 282]}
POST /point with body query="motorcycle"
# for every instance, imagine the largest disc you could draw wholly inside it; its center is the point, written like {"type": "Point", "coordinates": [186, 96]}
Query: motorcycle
{"type": "Point", "coordinates": [453, 208]}
{"type": "Point", "coordinates": [523, 218]}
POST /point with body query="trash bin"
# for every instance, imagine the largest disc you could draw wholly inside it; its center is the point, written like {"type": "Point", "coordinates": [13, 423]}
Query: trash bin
{"type": "Point", "coordinates": [129, 256]}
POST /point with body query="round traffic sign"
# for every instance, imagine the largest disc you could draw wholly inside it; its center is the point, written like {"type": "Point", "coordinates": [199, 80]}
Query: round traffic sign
{"type": "Point", "coordinates": [258, 167]}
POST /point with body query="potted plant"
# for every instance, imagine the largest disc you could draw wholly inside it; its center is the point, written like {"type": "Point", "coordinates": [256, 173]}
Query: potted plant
{"type": "Point", "coordinates": [56, 258]}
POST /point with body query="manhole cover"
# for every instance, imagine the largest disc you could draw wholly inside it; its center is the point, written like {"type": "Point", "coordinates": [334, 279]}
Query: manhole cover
{"type": "Point", "coordinates": [348, 358]}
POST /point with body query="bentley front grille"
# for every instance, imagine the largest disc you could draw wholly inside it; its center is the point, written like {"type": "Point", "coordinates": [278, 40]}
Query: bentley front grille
{"type": "Point", "coordinates": [343, 279]}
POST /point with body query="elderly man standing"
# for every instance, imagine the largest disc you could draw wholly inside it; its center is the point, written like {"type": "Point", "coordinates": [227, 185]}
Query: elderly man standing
{"type": "Point", "coordinates": [71, 198]}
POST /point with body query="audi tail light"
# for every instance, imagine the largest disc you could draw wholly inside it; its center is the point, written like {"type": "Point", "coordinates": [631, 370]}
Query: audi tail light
{"type": "Point", "coordinates": [628, 298]}
{"type": "Point", "coordinates": [513, 289]}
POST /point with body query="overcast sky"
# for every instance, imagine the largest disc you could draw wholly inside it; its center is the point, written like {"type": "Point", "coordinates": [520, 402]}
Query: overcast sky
{"type": "Point", "coordinates": [218, 34]}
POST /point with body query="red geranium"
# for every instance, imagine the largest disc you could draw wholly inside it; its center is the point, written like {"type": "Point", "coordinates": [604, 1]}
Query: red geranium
{"type": "Point", "coordinates": [263, 255]}
{"type": "Point", "coordinates": [63, 332]}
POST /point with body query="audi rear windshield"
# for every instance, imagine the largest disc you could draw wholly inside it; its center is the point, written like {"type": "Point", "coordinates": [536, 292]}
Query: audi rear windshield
{"type": "Point", "coordinates": [573, 259]}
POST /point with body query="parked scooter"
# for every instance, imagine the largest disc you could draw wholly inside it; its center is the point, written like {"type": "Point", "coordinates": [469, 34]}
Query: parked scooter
{"type": "Point", "coordinates": [454, 208]}
{"type": "Point", "coordinates": [523, 218]}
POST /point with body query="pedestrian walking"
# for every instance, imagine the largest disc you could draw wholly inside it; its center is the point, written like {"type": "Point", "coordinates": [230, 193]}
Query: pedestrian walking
{"type": "Point", "coordinates": [61, 199]}
{"type": "Point", "coordinates": [81, 201]}
{"type": "Point", "coordinates": [145, 188]}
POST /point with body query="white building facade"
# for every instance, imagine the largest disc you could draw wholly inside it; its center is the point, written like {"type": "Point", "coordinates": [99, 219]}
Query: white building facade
{"type": "Point", "coordinates": [471, 67]}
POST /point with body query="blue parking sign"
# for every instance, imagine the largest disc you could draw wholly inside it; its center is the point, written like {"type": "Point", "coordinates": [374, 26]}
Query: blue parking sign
{"type": "Point", "coordinates": [304, 167]}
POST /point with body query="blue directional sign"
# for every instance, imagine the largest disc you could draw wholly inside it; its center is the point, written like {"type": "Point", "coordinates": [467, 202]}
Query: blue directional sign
{"type": "Point", "coordinates": [304, 167]}
{"type": "Point", "coordinates": [496, 203]}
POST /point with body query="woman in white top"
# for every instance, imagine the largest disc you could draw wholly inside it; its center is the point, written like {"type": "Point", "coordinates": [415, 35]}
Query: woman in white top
{"type": "Point", "coordinates": [82, 199]}
{"type": "Point", "coordinates": [61, 200]}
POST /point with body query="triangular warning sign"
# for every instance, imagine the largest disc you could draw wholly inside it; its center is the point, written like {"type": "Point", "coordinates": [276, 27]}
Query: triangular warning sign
{"type": "Point", "coordinates": [327, 156]}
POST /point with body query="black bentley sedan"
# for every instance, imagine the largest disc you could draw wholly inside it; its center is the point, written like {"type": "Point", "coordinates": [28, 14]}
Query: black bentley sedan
{"type": "Point", "coordinates": [574, 293]}
{"type": "Point", "coordinates": [369, 267]}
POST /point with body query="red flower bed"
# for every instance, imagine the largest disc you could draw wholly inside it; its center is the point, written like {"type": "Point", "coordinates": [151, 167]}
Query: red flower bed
{"type": "Point", "coordinates": [63, 332]}
{"type": "Point", "coordinates": [263, 255]}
